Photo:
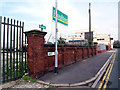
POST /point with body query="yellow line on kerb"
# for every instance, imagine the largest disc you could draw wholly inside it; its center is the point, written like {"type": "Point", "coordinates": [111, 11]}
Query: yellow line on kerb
{"type": "Point", "coordinates": [60, 20]}
{"type": "Point", "coordinates": [104, 77]}
{"type": "Point", "coordinates": [107, 72]}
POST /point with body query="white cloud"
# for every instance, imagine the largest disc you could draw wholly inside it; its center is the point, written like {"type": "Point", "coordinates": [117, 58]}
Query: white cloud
{"type": "Point", "coordinates": [79, 1]}
{"type": "Point", "coordinates": [42, 9]}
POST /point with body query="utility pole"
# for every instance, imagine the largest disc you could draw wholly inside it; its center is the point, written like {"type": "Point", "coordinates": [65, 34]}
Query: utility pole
{"type": "Point", "coordinates": [89, 24]}
{"type": "Point", "coordinates": [56, 51]}
{"type": "Point", "coordinates": [110, 40]}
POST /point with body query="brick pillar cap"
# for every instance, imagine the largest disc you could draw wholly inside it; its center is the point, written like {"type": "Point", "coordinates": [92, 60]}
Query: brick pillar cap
{"type": "Point", "coordinates": [35, 32]}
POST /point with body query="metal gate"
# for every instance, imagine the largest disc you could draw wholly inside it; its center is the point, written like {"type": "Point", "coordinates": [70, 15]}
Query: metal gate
{"type": "Point", "coordinates": [13, 56]}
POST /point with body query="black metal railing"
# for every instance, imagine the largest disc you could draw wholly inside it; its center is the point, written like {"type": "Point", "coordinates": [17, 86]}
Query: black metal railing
{"type": "Point", "coordinates": [13, 57]}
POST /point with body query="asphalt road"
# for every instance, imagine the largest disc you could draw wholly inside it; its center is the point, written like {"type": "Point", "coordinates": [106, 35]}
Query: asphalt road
{"type": "Point", "coordinates": [112, 78]}
{"type": "Point", "coordinates": [118, 68]}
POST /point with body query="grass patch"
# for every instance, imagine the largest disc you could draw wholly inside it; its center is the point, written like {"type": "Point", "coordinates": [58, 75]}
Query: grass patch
{"type": "Point", "coordinates": [28, 78]}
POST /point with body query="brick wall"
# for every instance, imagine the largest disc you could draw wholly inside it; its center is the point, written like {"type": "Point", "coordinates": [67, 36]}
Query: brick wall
{"type": "Point", "coordinates": [40, 63]}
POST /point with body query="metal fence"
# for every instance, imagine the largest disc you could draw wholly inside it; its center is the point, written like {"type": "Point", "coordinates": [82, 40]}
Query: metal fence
{"type": "Point", "coordinates": [13, 58]}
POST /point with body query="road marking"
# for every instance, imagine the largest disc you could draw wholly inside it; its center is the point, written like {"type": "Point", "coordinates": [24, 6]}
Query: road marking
{"type": "Point", "coordinates": [104, 76]}
{"type": "Point", "coordinates": [102, 71]}
{"type": "Point", "coordinates": [110, 67]}
{"type": "Point", "coordinates": [105, 85]}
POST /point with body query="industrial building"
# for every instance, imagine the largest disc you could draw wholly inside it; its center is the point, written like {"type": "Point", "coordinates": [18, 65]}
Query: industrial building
{"type": "Point", "coordinates": [101, 39]}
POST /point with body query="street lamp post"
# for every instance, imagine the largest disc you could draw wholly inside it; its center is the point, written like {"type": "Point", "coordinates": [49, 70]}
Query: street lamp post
{"type": "Point", "coordinates": [56, 51]}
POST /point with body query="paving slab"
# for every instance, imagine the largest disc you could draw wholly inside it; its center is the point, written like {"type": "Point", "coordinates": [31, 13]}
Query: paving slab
{"type": "Point", "coordinates": [79, 71]}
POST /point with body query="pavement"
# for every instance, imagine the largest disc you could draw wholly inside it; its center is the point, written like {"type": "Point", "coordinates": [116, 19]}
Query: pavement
{"type": "Point", "coordinates": [79, 71]}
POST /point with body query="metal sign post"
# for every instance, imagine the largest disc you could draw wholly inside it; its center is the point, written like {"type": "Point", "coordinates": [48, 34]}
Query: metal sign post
{"type": "Point", "coordinates": [56, 52]}
{"type": "Point", "coordinates": [0, 54]}
{"type": "Point", "coordinates": [42, 27]}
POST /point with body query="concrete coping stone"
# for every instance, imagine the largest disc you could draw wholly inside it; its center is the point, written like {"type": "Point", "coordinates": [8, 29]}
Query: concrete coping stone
{"type": "Point", "coordinates": [35, 32]}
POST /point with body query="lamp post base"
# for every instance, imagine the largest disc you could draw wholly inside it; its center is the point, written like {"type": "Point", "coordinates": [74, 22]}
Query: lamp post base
{"type": "Point", "coordinates": [56, 70]}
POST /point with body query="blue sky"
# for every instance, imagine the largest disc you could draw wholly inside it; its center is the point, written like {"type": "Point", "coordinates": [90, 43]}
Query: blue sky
{"type": "Point", "coordinates": [34, 12]}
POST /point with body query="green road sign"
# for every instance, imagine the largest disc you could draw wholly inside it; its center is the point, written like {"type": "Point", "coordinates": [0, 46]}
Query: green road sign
{"type": "Point", "coordinates": [61, 17]}
{"type": "Point", "coordinates": [42, 27]}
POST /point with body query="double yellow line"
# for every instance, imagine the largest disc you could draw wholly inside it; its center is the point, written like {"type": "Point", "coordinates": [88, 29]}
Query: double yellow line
{"type": "Point", "coordinates": [107, 74]}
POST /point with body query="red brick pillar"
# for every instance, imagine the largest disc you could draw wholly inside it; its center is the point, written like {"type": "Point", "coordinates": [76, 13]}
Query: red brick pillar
{"type": "Point", "coordinates": [35, 53]}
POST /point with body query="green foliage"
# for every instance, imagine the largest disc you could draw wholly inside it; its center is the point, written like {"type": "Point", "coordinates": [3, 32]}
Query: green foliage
{"type": "Point", "coordinates": [19, 67]}
{"type": "Point", "coordinates": [27, 78]}
{"type": "Point", "coordinates": [61, 68]}
{"type": "Point", "coordinates": [90, 42]}
{"type": "Point", "coordinates": [33, 80]}
{"type": "Point", "coordinates": [61, 41]}
{"type": "Point", "coordinates": [85, 44]}
{"type": "Point", "coordinates": [116, 42]}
